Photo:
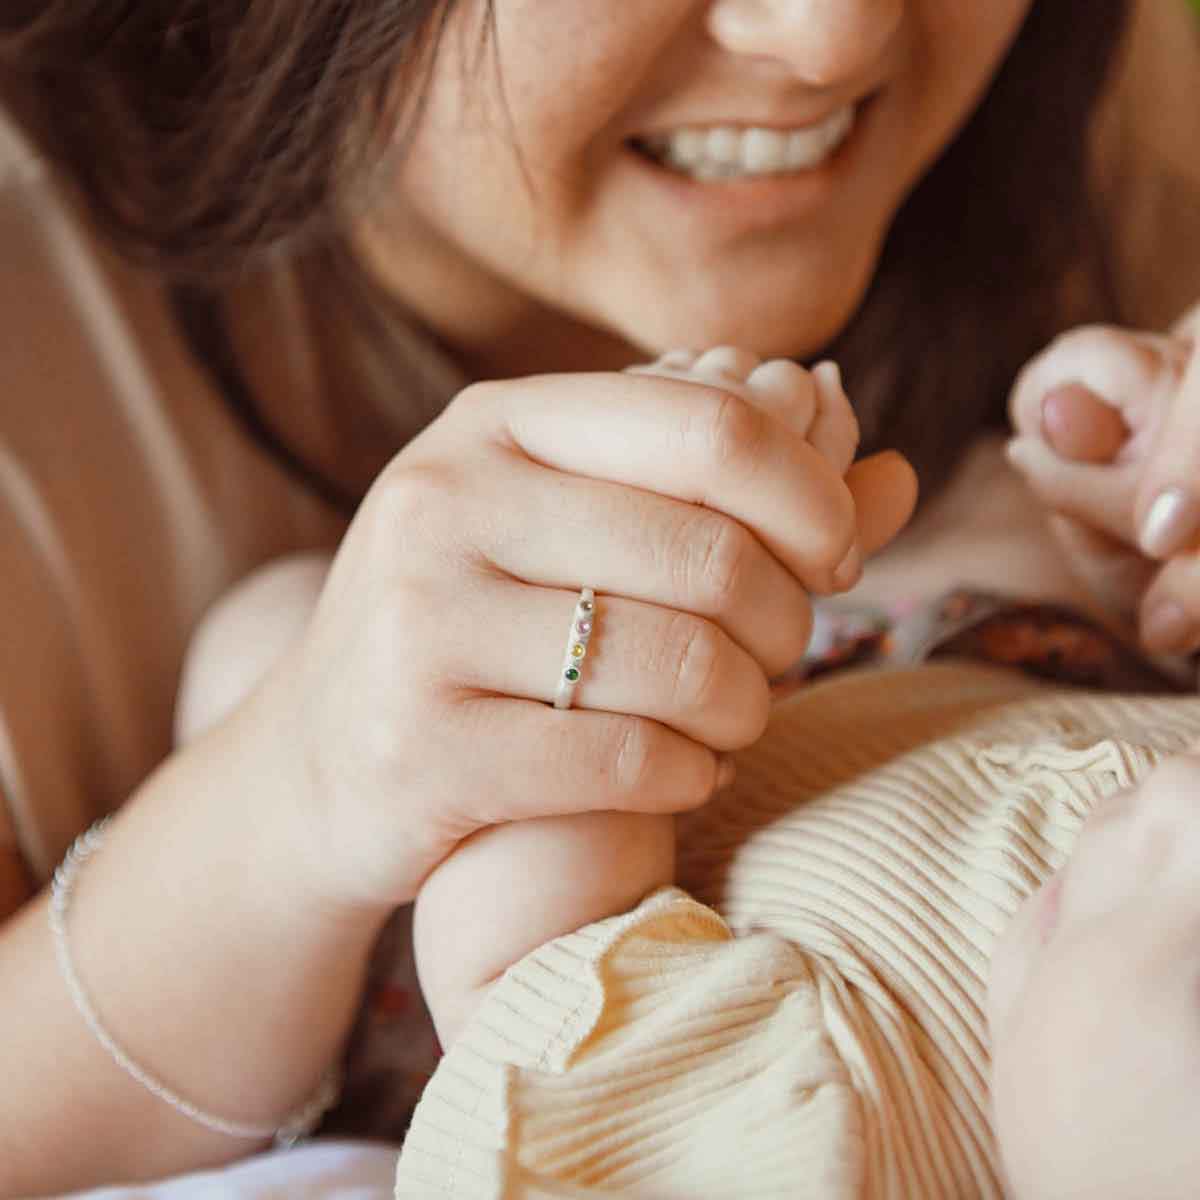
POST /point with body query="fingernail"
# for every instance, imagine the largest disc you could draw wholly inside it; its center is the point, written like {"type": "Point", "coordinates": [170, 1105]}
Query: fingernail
{"type": "Point", "coordinates": [1080, 425]}
{"type": "Point", "coordinates": [1167, 628]}
{"type": "Point", "coordinates": [1172, 522]}
{"type": "Point", "coordinates": [828, 372]}
{"type": "Point", "coordinates": [726, 771]}
{"type": "Point", "coordinates": [849, 571]}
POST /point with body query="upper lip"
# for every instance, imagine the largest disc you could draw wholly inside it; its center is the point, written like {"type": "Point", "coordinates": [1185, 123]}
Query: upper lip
{"type": "Point", "coordinates": [775, 121]}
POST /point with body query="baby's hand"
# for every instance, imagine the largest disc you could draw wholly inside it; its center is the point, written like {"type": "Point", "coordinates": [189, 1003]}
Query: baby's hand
{"type": "Point", "coordinates": [813, 404]}
{"type": "Point", "coordinates": [1108, 437]}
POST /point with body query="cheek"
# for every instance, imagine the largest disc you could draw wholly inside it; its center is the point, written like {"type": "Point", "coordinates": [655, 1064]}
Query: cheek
{"type": "Point", "coordinates": [1011, 965]}
{"type": "Point", "coordinates": [965, 45]}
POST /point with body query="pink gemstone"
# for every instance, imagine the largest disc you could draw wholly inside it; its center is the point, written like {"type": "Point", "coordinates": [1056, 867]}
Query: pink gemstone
{"type": "Point", "coordinates": [584, 626]}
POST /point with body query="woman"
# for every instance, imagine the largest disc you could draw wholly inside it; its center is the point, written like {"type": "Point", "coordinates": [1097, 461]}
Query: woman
{"type": "Point", "coordinates": [523, 222]}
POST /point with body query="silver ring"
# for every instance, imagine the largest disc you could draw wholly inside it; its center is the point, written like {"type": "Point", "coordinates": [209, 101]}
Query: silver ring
{"type": "Point", "coordinates": [582, 625]}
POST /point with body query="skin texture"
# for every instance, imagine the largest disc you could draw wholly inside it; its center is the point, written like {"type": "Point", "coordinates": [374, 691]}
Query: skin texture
{"type": "Point", "coordinates": [524, 231]}
{"type": "Point", "coordinates": [1095, 1006]}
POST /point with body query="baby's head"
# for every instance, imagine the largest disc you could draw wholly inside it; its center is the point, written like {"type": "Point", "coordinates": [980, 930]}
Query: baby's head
{"type": "Point", "coordinates": [1095, 1007]}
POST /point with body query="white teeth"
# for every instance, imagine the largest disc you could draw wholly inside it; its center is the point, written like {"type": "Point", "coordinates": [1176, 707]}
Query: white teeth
{"type": "Point", "coordinates": [724, 146]}
{"type": "Point", "coordinates": [764, 150]}
{"type": "Point", "coordinates": [724, 152]}
{"type": "Point", "coordinates": [686, 148]}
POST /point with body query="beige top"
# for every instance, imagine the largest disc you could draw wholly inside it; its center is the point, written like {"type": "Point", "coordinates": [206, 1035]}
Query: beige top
{"type": "Point", "coordinates": [809, 1022]}
{"type": "Point", "coordinates": [129, 497]}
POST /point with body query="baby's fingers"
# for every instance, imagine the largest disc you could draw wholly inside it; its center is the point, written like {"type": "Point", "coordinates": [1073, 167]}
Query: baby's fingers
{"type": "Point", "coordinates": [835, 431]}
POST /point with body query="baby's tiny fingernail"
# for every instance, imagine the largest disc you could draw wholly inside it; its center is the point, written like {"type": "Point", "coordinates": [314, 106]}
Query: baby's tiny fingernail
{"type": "Point", "coordinates": [849, 571]}
{"type": "Point", "coordinates": [1172, 522]}
{"type": "Point", "coordinates": [1167, 628]}
{"type": "Point", "coordinates": [827, 371]}
{"type": "Point", "coordinates": [726, 771]}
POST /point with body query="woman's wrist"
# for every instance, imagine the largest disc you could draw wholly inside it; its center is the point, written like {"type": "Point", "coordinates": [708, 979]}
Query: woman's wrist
{"type": "Point", "coordinates": [203, 955]}
{"type": "Point", "coordinates": [248, 953]}
{"type": "Point", "coordinates": [303, 828]}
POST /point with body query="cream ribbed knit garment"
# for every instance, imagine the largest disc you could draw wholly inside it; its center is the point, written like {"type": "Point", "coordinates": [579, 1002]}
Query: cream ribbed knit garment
{"type": "Point", "coordinates": [809, 1020]}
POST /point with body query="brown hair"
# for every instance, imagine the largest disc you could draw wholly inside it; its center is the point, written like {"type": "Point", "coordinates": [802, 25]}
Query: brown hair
{"type": "Point", "coordinates": [203, 135]}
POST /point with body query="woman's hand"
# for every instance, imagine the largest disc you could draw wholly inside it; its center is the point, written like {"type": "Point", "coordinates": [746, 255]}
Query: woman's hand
{"type": "Point", "coordinates": [700, 510]}
{"type": "Point", "coordinates": [1108, 437]}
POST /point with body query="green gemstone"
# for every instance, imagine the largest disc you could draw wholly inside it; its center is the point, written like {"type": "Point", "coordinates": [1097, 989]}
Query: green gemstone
{"type": "Point", "coordinates": [571, 673]}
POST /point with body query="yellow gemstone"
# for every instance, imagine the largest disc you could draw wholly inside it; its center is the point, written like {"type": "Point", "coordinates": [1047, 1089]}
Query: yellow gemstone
{"type": "Point", "coordinates": [578, 650]}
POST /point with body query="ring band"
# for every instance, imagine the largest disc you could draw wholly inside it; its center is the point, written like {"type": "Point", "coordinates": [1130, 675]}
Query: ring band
{"type": "Point", "coordinates": [582, 625]}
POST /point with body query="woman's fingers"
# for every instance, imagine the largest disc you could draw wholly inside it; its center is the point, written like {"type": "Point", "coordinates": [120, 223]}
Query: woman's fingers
{"type": "Point", "coordinates": [1102, 497]}
{"type": "Point", "coordinates": [567, 531]}
{"type": "Point", "coordinates": [696, 443]}
{"type": "Point", "coordinates": [1168, 494]}
{"type": "Point", "coordinates": [674, 668]}
{"type": "Point", "coordinates": [812, 404]}
{"type": "Point", "coordinates": [884, 488]}
{"type": "Point", "coordinates": [1114, 573]}
{"type": "Point", "coordinates": [1169, 620]}
{"type": "Point", "coordinates": [1109, 433]}
{"type": "Point", "coordinates": [788, 392]}
{"type": "Point", "coordinates": [583, 762]}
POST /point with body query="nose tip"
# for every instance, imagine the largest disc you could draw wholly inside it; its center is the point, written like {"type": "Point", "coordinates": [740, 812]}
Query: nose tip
{"type": "Point", "coordinates": [823, 42]}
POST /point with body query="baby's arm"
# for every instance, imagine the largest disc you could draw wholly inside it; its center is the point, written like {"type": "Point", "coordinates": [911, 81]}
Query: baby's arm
{"type": "Point", "coordinates": [242, 636]}
{"type": "Point", "coordinates": [508, 889]}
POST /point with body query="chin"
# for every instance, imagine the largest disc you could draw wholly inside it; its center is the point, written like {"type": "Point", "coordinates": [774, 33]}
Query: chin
{"type": "Point", "coordinates": [773, 322]}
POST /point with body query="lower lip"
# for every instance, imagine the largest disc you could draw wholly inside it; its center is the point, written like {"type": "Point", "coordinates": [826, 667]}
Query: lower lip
{"type": "Point", "coordinates": [763, 200]}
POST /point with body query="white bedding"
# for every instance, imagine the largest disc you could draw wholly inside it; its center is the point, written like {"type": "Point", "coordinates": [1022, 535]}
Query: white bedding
{"type": "Point", "coordinates": [315, 1171]}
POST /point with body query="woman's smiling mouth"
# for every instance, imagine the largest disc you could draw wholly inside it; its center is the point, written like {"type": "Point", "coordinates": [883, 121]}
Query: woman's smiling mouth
{"type": "Point", "coordinates": [725, 152]}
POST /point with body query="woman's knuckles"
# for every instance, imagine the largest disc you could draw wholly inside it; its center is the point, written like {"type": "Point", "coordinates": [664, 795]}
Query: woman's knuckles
{"type": "Point", "coordinates": [732, 437]}
{"type": "Point", "coordinates": [710, 684]}
{"type": "Point", "coordinates": [714, 560]}
{"type": "Point", "coordinates": [414, 505]}
{"type": "Point", "coordinates": [826, 531]}
{"type": "Point", "coordinates": [1170, 610]}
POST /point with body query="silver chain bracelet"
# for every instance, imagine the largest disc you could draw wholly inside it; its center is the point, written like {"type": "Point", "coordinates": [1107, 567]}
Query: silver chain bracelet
{"type": "Point", "coordinates": [294, 1127]}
